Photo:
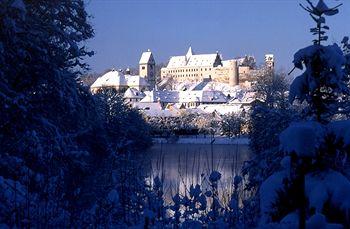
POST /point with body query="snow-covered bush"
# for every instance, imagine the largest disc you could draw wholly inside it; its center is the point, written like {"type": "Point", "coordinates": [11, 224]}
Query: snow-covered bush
{"type": "Point", "coordinates": [266, 124]}
{"type": "Point", "coordinates": [314, 148]}
{"type": "Point", "coordinates": [185, 124]}
{"type": "Point", "coordinates": [271, 89]}
{"type": "Point", "coordinates": [271, 113]}
{"type": "Point", "coordinates": [232, 124]}
{"type": "Point", "coordinates": [268, 118]}
{"type": "Point", "coordinates": [125, 126]}
{"type": "Point", "coordinates": [201, 206]}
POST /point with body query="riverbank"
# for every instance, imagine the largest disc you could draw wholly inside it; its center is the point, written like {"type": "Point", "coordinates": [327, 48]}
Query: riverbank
{"type": "Point", "coordinates": [217, 140]}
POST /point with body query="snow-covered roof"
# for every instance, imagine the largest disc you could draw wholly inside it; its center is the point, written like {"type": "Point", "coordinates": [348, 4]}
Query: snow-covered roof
{"type": "Point", "coordinates": [146, 57]}
{"type": "Point", "coordinates": [199, 85]}
{"type": "Point", "coordinates": [177, 61]}
{"type": "Point", "coordinates": [110, 79]}
{"type": "Point", "coordinates": [155, 109]}
{"type": "Point", "coordinates": [219, 108]}
{"type": "Point", "coordinates": [185, 97]}
{"type": "Point", "coordinates": [192, 60]}
{"type": "Point", "coordinates": [213, 97]}
{"type": "Point", "coordinates": [116, 78]}
{"type": "Point", "coordinates": [240, 61]}
{"type": "Point", "coordinates": [133, 93]}
{"type": "Point", "coordinates": [202, 60]}
{"type": "Point", "coordinates": [163, 96]}
{"type": "Point", "coordinates": [134, 81]}
{"type": "Point", "coordinates": [243, 97]}
{"type": "Point", "coordinates": [226, 63]}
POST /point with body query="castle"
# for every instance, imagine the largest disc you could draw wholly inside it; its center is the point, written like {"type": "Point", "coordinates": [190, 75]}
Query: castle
{"type": "Point", "coordinates": [196, 67]}
{"type": "Point", "coordinates": [188, 68]}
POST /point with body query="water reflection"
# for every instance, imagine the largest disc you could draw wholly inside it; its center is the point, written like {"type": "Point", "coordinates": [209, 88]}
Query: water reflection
{"type": "Point", "coordinates": [180, 165]}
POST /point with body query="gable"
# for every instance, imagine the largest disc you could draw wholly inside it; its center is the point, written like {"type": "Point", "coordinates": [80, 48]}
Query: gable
{"type": "Point", "coordinates": [147, 58]}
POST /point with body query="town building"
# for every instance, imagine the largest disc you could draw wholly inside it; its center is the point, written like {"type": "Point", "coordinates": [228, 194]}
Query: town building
{"type": "Point", "coordinates": [133, 95]}
{"type": "Point", "coordinates": [188, 98]}
{"type": "Point", "coordinates": [185, 99]}
{"type": "Point", "coordinates": [118, 81]}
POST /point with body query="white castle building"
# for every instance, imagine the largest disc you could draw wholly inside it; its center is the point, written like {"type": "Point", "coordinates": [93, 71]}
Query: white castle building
{"type": "Point", "coordinates": [195, 67]}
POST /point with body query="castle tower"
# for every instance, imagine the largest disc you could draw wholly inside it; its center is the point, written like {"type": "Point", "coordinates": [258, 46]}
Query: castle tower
{"type": "Point", "coordinates": [147, 68]}
{"type": "Point", "coordinates": [270, 61]}
{"type": "Point", "coordinates": [233, 75]}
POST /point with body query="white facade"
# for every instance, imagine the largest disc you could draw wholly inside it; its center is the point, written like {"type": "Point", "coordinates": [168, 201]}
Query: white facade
{"type": "Point", "coordinates": [270, 61]}
{"type": "Point", "coordinates": [118, 81]}
{"type": "Point", "coordinates": [184, 99]}
{"type": "Point", "coordinates": [191, 67]}
{"type": "Point", "coordinates": [147, 67]}
{"type": "Point", "coordinates": [132, 95]}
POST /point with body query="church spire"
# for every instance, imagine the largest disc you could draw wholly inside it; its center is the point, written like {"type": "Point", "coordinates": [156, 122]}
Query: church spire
{"type": "Point", "coordinates": [189, 53]}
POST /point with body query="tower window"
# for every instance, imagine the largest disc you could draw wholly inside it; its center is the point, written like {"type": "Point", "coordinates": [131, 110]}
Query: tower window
{"type": "Point", "coordinates": [143, 67]}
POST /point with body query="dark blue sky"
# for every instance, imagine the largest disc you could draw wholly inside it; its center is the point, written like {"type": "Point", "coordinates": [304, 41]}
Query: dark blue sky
{"type": "Point", "coordinates": [125, 28]}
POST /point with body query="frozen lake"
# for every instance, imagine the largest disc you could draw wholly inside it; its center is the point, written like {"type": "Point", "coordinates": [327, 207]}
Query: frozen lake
{"type": "Point", "coordinates": [180, 165]}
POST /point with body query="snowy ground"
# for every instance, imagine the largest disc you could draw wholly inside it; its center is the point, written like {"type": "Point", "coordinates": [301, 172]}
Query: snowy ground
{"type": "Point", "coordinates": [218, 140]}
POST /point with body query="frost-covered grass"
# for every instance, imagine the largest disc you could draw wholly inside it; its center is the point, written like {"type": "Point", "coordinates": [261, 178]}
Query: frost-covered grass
{"type": "Point", "coordinates": [183, 165]}
{"type": "Point", "coordinates": [201, 185]}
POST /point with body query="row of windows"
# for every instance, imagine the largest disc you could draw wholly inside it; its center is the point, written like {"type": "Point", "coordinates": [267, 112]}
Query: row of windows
{"type": "Point", "coordinates": [189, 70]}
{"type": "Point", "coordinates": [187, 75]}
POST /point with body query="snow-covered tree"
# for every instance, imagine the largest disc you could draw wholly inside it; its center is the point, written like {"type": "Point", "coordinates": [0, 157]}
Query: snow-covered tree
{"type": "Point", "coordinates": [271, 112]}
{"type": "Point", "coordinates": [55, 149]}
{"type": "Point", "coordinates": [271, 89]}
{"type": "Point", "coordinates": [307, 190]}
{"type": "Point", "coordinates": [324, 84]}
{"type": "Point", "coordinates": [45, 115]}
{"type": "Point", "coordinates": [232, 124]}
{"type": "Point", "coordinates": [126, 128]}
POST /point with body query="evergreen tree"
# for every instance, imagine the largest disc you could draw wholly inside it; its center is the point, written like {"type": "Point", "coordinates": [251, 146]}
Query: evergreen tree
{"type": "Point", "coordinates": [306, 191]}
{"type": "Point", "coordinates": [46, 115]}
{"type": "Point", "coordinates": [56, 146]}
